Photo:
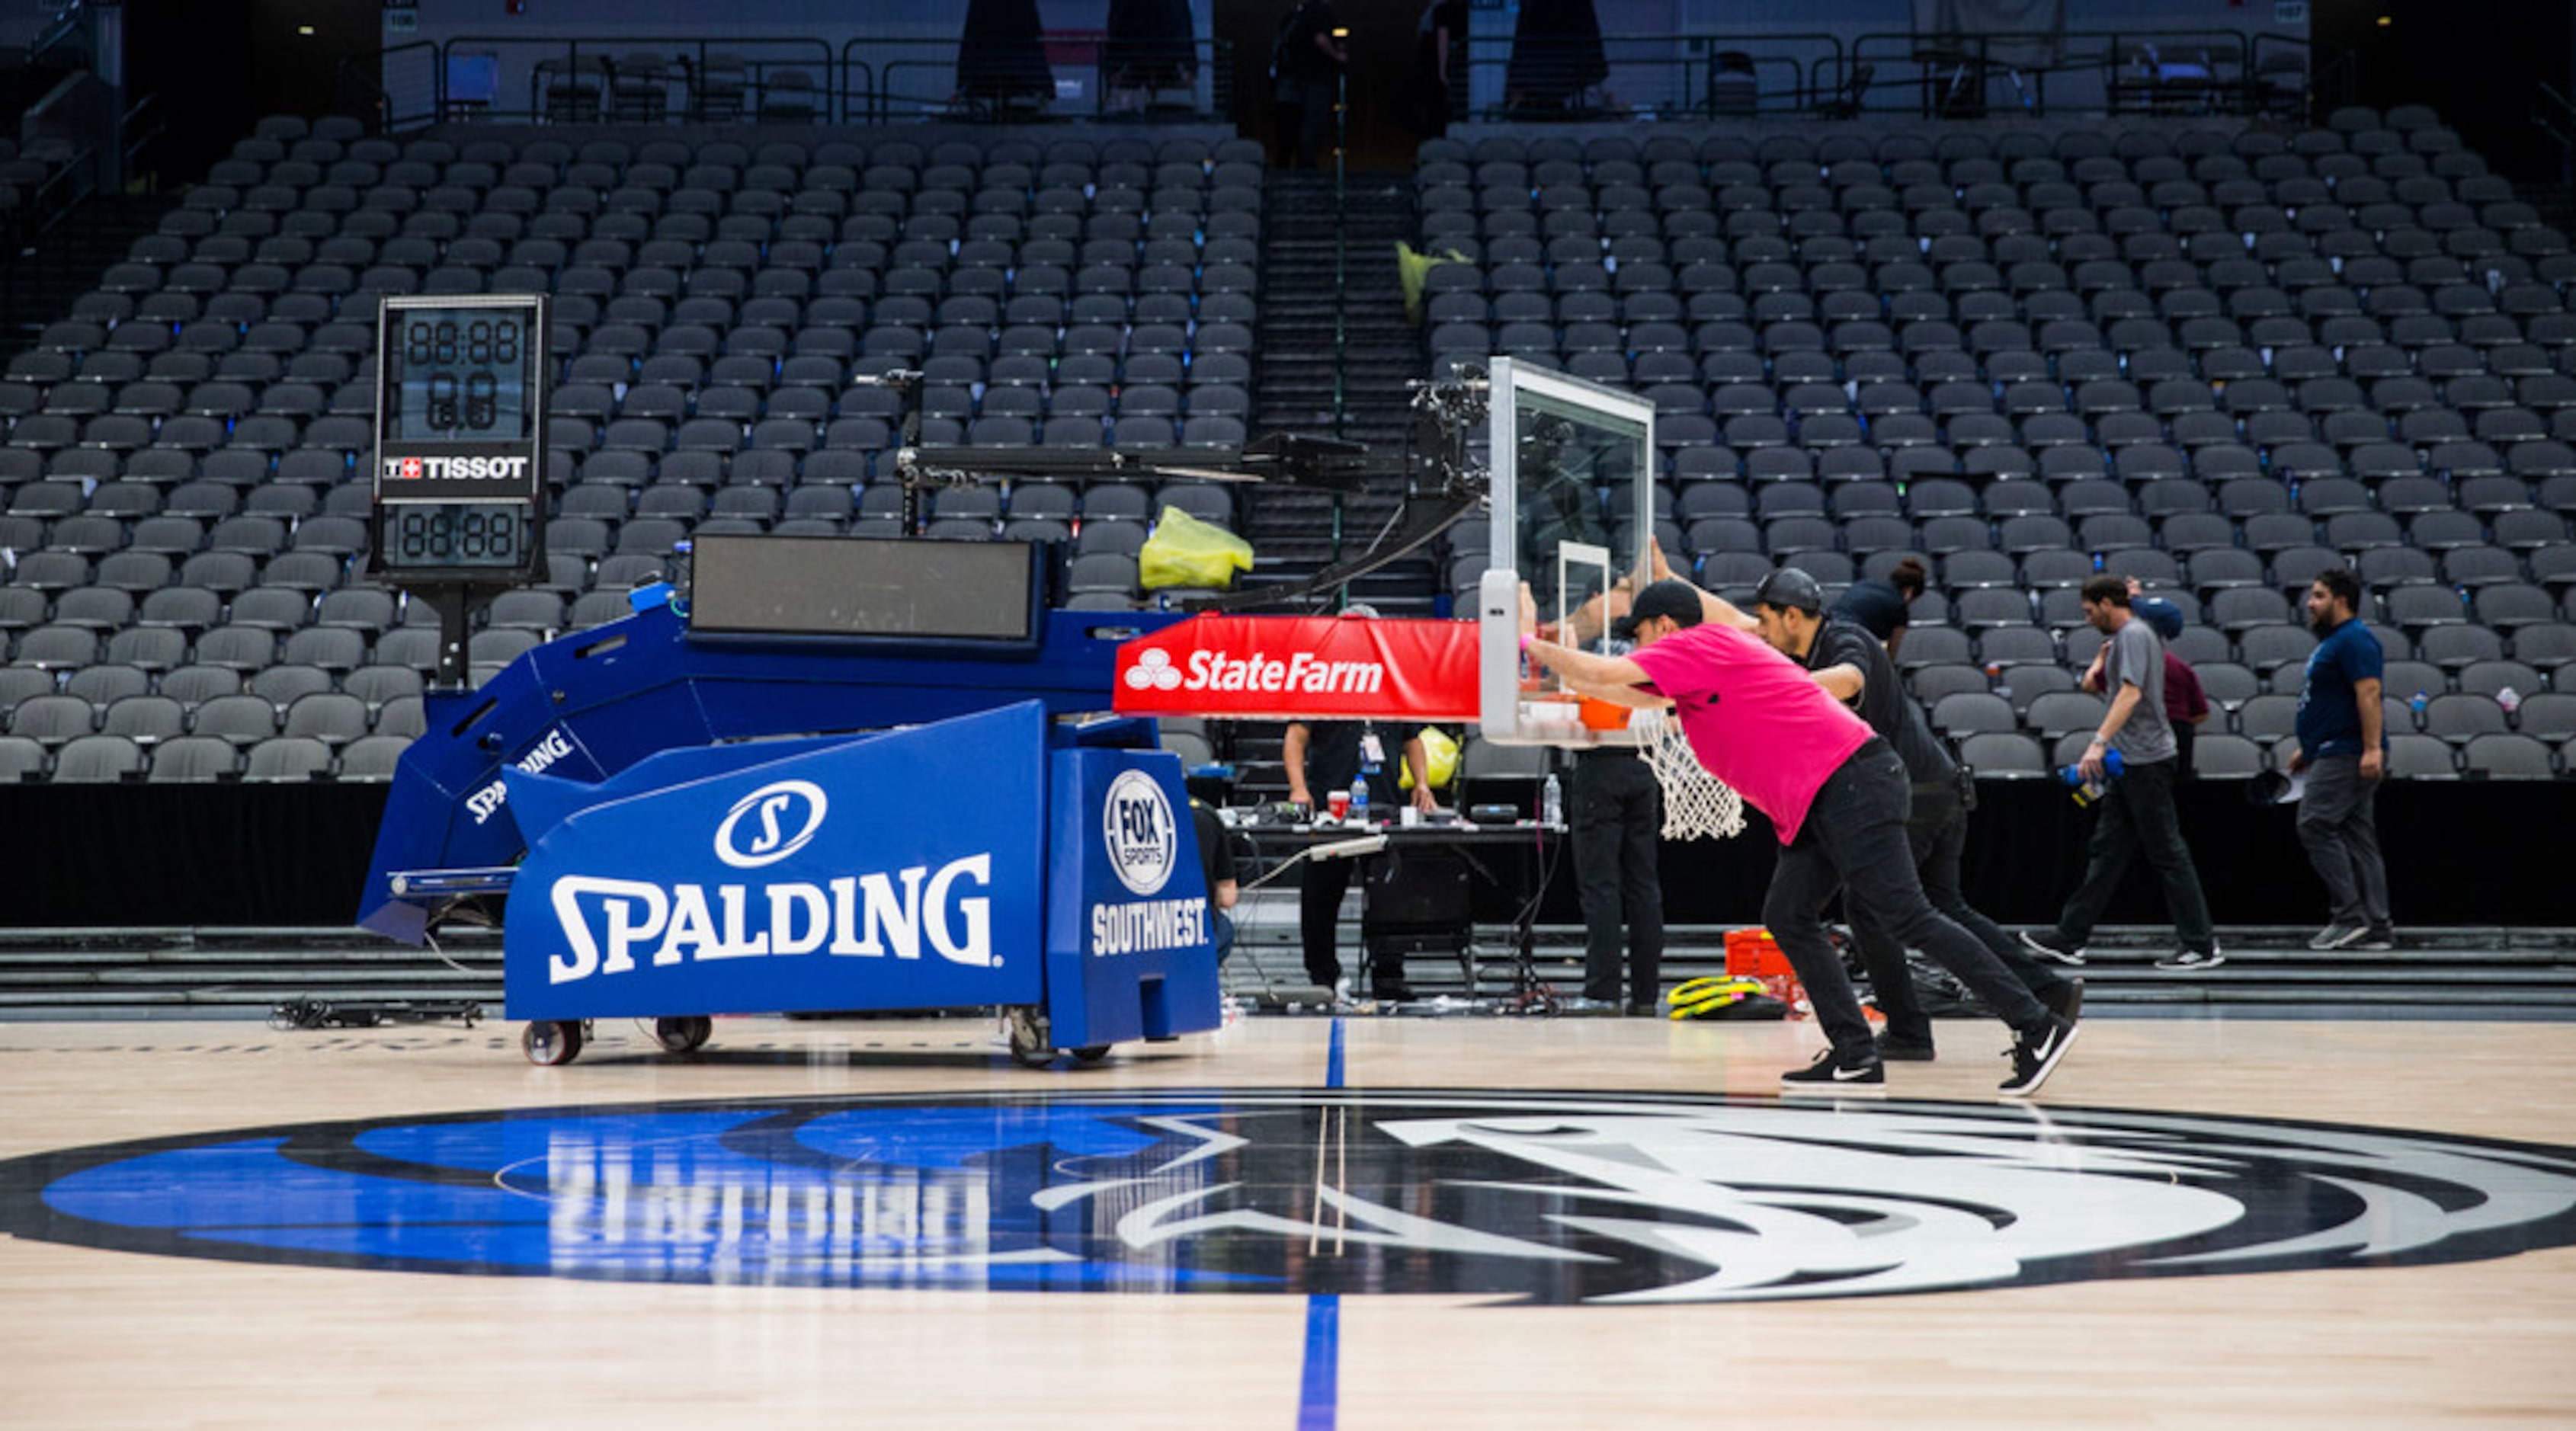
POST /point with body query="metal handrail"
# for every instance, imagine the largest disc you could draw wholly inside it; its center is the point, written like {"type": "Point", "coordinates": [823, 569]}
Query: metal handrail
{"type": "Point", "coordinates": [1656, 75]}
{"type": "Point", "coordinates": [143, 116]}
{"type": "Point", "coordinates": [764, 57]}
{"type": "Point", "coordinates": [916, 77]}
{"type": "Point", "coordinates": [361, 84]}
{"type": "Point", "coordinates": [1952, 60]}
{"type": "Point", "coordinates": [2554, 114]}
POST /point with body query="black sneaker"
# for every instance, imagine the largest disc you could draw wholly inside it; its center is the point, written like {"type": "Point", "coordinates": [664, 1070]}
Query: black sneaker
{"type": "Point", "coordinates": [2376, 941]}
{"type": "Point", "coordinates": [2035, 1054]}
{"type": "Point", "coordinates": [1831, 1072]}
{"type": "Point", "coordinates": [2065, 998]}
{"type": "Point", "coordinates": [1644, 1011]}
{"type": "Point", "coordinates": [2337, 936]}
{"type": "Point", "coordinates": [1898, 1048]}
{"type": "Point", "coordinates": [2047, 947]}
{"type": "Point", "coordinates": [2186, 959]}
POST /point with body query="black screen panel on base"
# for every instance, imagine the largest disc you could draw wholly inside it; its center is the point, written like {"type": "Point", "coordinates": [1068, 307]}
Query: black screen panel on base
{"type": "Point", "coordinates": [859, 586]}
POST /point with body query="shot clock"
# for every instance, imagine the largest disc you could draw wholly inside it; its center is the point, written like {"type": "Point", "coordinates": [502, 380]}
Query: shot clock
{"type": "Point", "coordinates": [460, 440]}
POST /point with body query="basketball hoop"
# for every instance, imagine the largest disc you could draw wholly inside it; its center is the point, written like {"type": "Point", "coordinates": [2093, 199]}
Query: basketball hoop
{"type": "Point", "coordinates": [1696, 805]}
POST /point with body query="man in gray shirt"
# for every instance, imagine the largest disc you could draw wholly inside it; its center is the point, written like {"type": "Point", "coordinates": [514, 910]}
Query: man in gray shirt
{"type": "Point", "coordinates": [2137, 813]}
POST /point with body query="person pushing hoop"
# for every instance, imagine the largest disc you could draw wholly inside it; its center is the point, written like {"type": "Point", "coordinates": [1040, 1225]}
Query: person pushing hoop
{"type": "Point", "coordinates": [1834, 790]}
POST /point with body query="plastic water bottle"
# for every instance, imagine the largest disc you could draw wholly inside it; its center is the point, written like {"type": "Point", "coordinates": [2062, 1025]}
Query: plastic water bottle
{"type": "Point", "coordinates": [1551, 802]}
{"type": "Point", "coordinates": [1359, 799]}
{"type": "Point", "coordinates": [2087, 791]}
{"type": "Point", "coordinates": [2417, 705]}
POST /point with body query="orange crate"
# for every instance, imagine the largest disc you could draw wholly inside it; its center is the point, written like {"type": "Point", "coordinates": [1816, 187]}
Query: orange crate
{"type": "Point", "coordinates": [1754, 954]}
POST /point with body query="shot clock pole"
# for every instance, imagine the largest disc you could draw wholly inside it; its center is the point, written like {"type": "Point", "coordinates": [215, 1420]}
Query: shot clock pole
{"type": "Point", "coordinates": [460, 480]}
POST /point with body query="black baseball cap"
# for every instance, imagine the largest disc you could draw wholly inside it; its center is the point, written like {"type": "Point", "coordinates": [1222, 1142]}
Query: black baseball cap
{"type": "Point", "coordinates": [1678, 600]}
{"type": "Point", "coordinates": [1790, 589]}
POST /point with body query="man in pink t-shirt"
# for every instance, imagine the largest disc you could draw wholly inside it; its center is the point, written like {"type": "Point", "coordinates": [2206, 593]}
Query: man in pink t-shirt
{"type": "Point", "coordinates": [1835, 791]}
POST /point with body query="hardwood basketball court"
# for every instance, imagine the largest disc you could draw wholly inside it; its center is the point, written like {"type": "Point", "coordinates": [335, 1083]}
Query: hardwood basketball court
{"type": "Point", "coordinates": [102, 1337]}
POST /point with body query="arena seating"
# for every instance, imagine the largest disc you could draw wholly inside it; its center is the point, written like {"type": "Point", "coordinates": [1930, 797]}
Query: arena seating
{"type": "Point", "coordinates": [2218, 360]}
{"type": "Point", "coordinates": [181, 498]}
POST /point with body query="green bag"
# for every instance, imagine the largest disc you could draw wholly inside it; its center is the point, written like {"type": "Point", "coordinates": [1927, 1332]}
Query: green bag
{"type": "Point", "coordinates": [1184, 551]}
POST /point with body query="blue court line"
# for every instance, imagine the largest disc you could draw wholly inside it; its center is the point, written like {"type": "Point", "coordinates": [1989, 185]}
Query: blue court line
{"type": "Point", "coordinates": [1318, 1392]}
{"type": "Point", "coordinates": [1319, 1388]}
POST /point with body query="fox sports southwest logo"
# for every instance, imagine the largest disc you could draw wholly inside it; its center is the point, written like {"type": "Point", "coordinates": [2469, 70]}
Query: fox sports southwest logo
{"type": "Point", "coordinates": [1136, 824]}
{"type": "Point", "coordinates": [1558, 1198]}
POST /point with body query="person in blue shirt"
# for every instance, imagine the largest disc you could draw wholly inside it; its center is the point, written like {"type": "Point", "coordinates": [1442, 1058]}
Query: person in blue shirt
{"type": "Point", "coordinates": [2343, 750]}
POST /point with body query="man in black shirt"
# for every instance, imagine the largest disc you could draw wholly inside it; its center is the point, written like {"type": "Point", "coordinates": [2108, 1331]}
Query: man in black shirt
{"type": "Point", "coordinates": [1216, 863]}
{"type": "Point", "coordinates": [1849, 662]}
{"type": "Point", "coordinates": [1880, 607]}
{"type": "Point", "coordinates": [1306, 60]}
{"type": "Point", "coordinates": [1324, 756]}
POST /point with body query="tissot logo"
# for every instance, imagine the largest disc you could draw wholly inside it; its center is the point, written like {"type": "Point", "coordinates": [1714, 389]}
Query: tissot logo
{"type": "Point", "coordinates": [1540, 1197]}
{"type": "Point", "coordinates": [455, 469]}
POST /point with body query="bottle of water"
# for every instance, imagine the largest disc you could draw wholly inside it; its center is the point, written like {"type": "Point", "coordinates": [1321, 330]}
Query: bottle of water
{"type": "Point", "coordinates": [2417, 705]}
{"type": "Point", "coordinates": [2087, 791]}
{"type": "Point", "coordinates": [1551, 803]}
{"type": "Point", "coordinates": [1359, 799]}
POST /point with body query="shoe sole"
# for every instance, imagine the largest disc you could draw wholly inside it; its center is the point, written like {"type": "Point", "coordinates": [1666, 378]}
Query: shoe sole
{"type": "Point", "coordinates": [1833, 1090]}
{"type": "Point", "coordinates": [2074, 958]}
{"type": "Point", "coordinates": [2212, 962]}
{"type": "Point", "coordinates": [2047, 1065]}
{"type": "Point", "coordinates": [2321, 944]}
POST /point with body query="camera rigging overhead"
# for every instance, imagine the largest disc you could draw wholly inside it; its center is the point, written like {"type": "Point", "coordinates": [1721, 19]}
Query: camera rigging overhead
{"type": "Point", "coordinates": [1441, 482]}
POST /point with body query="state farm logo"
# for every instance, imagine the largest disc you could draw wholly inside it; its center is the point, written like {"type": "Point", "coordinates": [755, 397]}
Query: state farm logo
{"type": "Point", "coordinates": [1136, 822]}
{"type": "Point", "coordinates": [1303, 673]}
{"type": "Point", "coordinates": [770, 823]}
{"type": "Point", "coordinates": [1154, 671]}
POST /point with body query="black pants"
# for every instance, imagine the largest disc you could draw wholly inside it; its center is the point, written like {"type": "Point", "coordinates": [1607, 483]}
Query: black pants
{"type": "Point", "coordinates": [2137, 815]}
{"type": "Point", "coordinates": [1854, 838]}
{"type": "Point", "coordinates": [1618, 819]}
{"type": "Point", "coordinates": [1319, 914]}
{"type": "Point", "coordinates": [1305, 123]}
{"type": "Point", "coordinates": [1936, 828]}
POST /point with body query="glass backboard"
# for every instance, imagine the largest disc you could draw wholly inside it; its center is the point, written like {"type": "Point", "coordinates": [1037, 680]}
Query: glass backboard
{"type": "Point", "coordinates": [1573, 505]}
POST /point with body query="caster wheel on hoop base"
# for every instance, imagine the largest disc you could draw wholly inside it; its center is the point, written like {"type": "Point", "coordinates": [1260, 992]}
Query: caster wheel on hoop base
{"type": "Point", "coordinates": [1091, 1053]}
{"type": "Point", "coordinates": [551, 1043]}
{"type": "Point", "coordinates": [683, 1035]}
{"type": "Point", "coordinates": [1032, 1046]}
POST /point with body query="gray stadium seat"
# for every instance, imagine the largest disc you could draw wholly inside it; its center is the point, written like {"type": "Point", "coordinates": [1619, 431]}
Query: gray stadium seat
{"type": "Point", "coordinates": [193, 758]}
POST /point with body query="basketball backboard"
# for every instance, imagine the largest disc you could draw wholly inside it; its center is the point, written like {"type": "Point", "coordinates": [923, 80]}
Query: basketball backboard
{"type": "Point", "coordinates": [1573, 510]}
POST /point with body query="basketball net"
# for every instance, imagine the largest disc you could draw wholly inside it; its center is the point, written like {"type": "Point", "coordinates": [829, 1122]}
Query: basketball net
{"type": "Point", "coordinates": [1696, 805]}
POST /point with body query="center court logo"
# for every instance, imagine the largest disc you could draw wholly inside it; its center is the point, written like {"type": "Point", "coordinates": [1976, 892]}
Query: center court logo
{"type": "Point", "coordinates": [1535, 1197]}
